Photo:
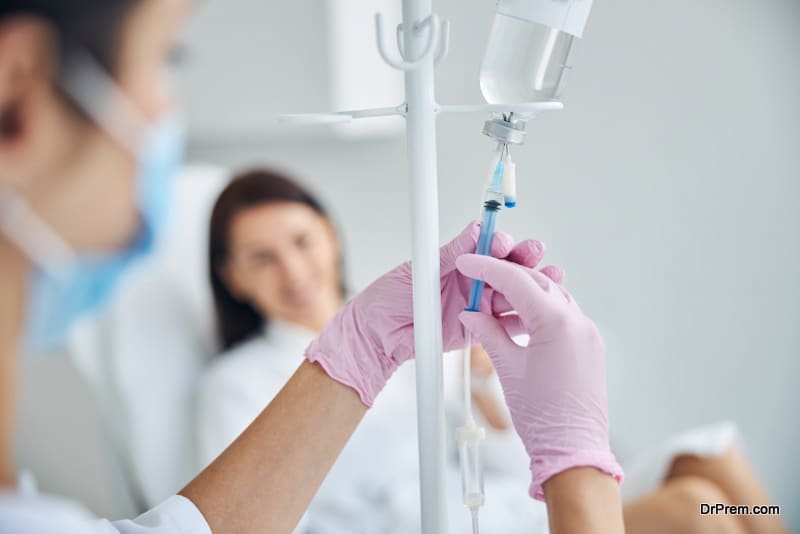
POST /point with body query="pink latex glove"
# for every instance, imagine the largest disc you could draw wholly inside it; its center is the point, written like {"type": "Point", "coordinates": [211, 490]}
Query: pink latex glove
{"type": "Point", "coordinates": [555, 387]}
{"type": "Point", "coordinates": [374, 333]}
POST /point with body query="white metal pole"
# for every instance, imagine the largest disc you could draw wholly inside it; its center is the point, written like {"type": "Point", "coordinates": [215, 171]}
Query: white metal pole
{"type": "Point", "coordinates": [421, 147]}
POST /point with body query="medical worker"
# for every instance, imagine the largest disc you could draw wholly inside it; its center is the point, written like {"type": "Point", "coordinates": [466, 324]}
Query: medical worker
{"type": "Point", "coordinates": [87, 144]}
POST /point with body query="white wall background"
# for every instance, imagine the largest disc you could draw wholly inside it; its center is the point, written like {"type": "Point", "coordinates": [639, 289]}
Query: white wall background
{"type": "Point", "coordinates": [668, 188]}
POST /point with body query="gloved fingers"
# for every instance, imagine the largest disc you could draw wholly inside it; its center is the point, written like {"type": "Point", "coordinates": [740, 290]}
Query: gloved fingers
{"type": "Point", "coordinates": [543, 281]}
{"type": "Point", "coordinates": [513, 325]}
{"type": "Point", "coordinates": [500, 304]}
{"type": "Point", "coordinates": [533, 255]}
{"type": "Point", "coordinates": [526, 291]}
{"type": "Point", "coordinates": [467, 241]}
{"type": "Point", "coordinates": [566, 295]}
{"type": "Point", "coordinates": [501, 309]}
{"type": "Point", "coordinates": [551, 286]}
{"type": "Point", "coordinates": [502, 245]}
{"type": "Point", "coordinates": [554, 273]}
{"type": "Point", "coordinates": [571, 300]}
{"type": "Point", "coordinates": [489, 332]}
{"type": "Point", "coordinates": [463, 243]}
{"type": "Point", "coordinates": [527, 253]}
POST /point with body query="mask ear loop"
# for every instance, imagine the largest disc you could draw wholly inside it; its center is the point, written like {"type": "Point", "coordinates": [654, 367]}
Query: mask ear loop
{"type": "Point", "coordinates": [96, 94]}
{"type": "Point", "coordinates": [35, 238]}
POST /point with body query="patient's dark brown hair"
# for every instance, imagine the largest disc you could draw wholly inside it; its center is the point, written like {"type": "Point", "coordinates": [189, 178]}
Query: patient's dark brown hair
{"type": "Point", "coordinates": [238, 320]}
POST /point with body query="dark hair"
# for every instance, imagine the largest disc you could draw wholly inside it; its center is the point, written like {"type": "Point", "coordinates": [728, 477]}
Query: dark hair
{"type": "Point", "coordinates": [238, 320]}
{"type": "Point", "coordinates": [94, 25]}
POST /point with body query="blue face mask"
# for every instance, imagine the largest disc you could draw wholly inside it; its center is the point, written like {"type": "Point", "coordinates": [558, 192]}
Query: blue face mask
{"type": "Point", "coordinates": [66, 285]}
{"type": "Point", "coordinates": [56, 301]}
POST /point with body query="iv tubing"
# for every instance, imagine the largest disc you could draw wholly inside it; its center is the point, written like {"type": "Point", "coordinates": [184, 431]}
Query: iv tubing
{"type": "Point", "coordinates": [469, 435]}
{"type": "Point", "coordinates": [468, 380]}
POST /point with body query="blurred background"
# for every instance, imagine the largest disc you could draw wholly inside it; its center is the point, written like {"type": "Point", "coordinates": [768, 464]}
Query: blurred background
{"type": "Point", "coordinates": [667, 188]}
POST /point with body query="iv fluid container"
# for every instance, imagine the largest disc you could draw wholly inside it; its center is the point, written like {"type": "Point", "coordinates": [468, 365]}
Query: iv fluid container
{"type": "Point", "coordinates": [524, 62]}
{"type": "Point", "coordinates": [527, 58]}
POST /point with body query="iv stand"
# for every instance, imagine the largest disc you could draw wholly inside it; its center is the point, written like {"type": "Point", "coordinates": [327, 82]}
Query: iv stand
{"type": "Point", "coordinates": [423, 41]}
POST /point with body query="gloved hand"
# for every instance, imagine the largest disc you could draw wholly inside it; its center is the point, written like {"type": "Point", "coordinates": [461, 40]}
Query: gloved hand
{"type": "Point", "coordinates": [555, 387]}
{"type": "Point", "coordinates": [374, 333]}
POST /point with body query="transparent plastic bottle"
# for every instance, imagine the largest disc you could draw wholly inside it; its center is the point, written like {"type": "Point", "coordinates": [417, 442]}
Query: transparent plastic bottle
{"type": "Point", "coordinates": [524, 62]}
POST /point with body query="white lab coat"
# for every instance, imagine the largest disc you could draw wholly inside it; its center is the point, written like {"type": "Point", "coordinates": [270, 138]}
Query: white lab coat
{"type": "Point", "coordinates": [26, 512]}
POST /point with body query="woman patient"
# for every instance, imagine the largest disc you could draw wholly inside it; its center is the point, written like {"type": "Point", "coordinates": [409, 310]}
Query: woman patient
{"type": "Point", "coordinates": [276, 271]}
{"type": "Point", "coordinates": [276, 276]}
{"type": "Point", "coordinates": [275, 264]}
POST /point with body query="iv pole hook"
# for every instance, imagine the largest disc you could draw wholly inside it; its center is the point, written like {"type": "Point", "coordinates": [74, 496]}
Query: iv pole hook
{"type": "Point", "coordinates": [435, 32]}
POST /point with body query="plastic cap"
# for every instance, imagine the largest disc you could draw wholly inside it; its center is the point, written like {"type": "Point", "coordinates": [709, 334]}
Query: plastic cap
{"type": "Point", "coordinates": [504, 131]}
{"type": "Point", "coordinates": [509, 183]}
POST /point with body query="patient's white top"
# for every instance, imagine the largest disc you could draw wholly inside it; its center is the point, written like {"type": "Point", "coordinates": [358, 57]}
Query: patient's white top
{"type": "Point", "coordinates": [28, 513]}
{"type": "Point", "coordinates": [241, 382]}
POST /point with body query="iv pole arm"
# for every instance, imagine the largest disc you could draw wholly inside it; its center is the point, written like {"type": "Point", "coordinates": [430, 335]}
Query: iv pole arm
{"type": "Point", "coordinates": [401, 109]}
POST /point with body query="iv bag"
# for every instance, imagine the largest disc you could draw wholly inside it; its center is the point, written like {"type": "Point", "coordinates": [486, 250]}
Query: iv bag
{"type": "Point", "coordinates": [527, 58]}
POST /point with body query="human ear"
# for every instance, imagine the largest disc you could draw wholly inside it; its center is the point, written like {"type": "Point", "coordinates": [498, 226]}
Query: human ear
{"type": "Point", "coordinates": [25, 68]}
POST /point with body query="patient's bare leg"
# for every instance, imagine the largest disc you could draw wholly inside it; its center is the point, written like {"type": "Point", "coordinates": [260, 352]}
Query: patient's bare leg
{"type": "Point", "coordinates": [675, 508]}
{"type": "Point", "coordinates": [732, 473]}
